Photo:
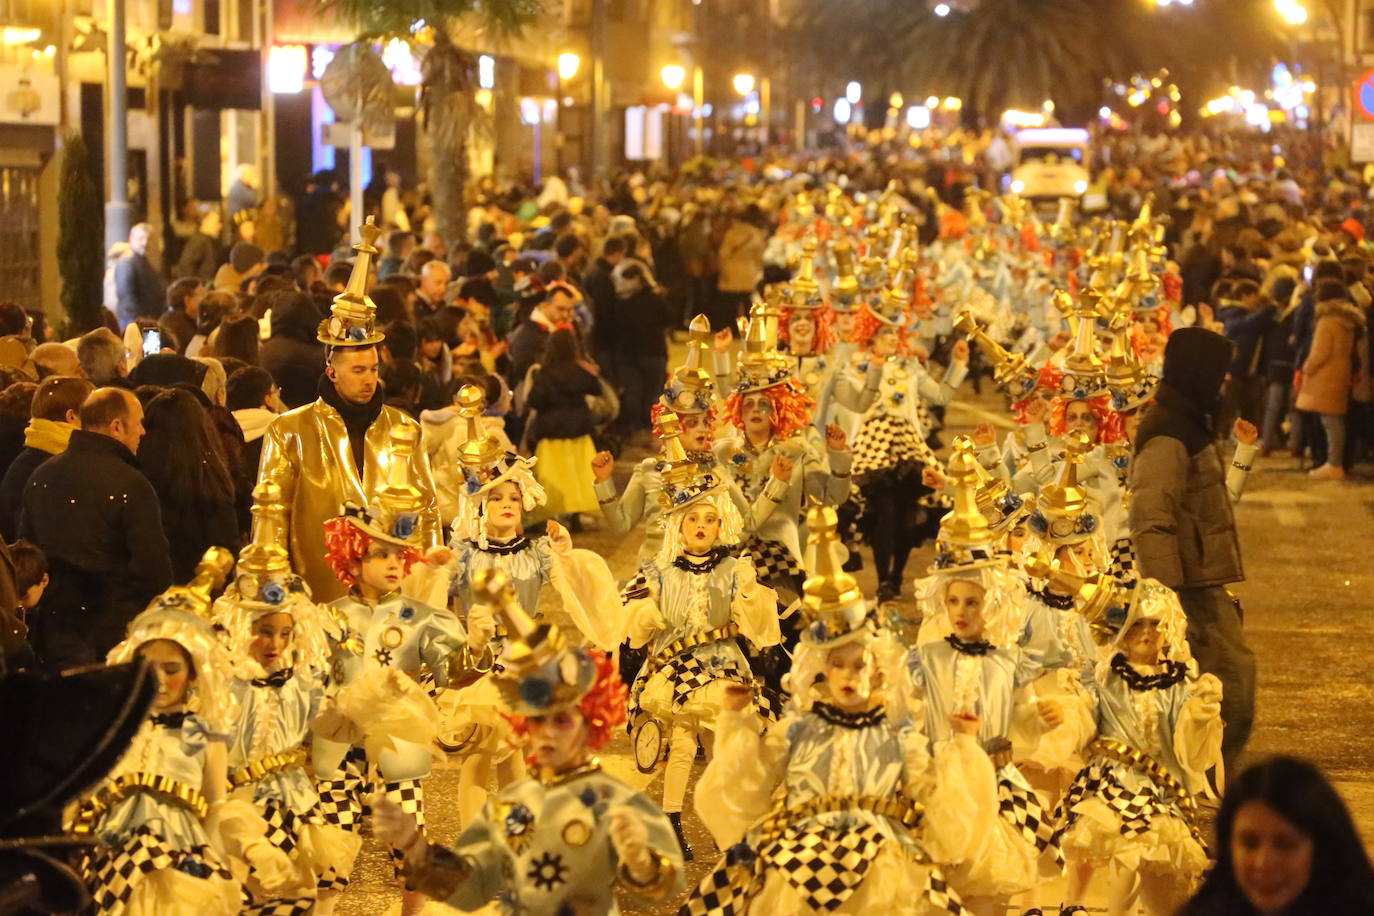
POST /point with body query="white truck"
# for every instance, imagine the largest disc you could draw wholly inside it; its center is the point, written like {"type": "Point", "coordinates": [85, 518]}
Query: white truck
{"type": "Point", "coordinates": [1051, 163]}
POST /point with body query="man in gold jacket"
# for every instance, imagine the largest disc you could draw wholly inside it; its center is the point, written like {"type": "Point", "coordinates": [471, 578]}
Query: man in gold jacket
{"type": "Point", "coordinates": [336, 450]}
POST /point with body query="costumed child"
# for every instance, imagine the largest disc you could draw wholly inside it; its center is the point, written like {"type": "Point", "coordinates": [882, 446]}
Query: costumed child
{"type": "Point", "coordinates": [774, 458]}
{"type": "Point", "coordinates": [488, 534]}
{"type": "Point", "coordinates": [166, 831]}
{"type": "Point", "coordinates": [690, 395]}
{"type": "Point", "coordinates": [822, 811]}
{"type": "Point", "coordinates": [687, 608]}
{"type": "Point", "coordinates": [381, 724]}
{"type": "Point", "coordinates": [571, 836]}
{"type": "Point", "coordinates": [282, 637]}
{"type": "Point", "coordinates": [1133, 808]}
{"type": "Point", "coordinates": [969, 681]}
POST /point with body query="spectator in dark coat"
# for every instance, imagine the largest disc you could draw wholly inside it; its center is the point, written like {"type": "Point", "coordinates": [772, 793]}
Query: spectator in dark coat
{"type": "Point", "coordinates": [182, 457]}
{"type": "Point", "coordinates": [528, 341]}
{"type": "Point", "coordinates": [255, 400]}
{"type": "Point", "coordinates": [640, 320]}
{"type": "Point", "coordinates": [293, 354]}
{"type": "Point", "coordinates": [202, 255]}
{"type": "Point", "coordinates": [15, 403]}
{"type": "Point", "coordinates": [599, 289]}
{"type": "Point", "coordinates": [97, 518]}
{"type": "Point", "coordinates": [1246, 318]}
{"type": "Point", "coordinates": [139, 289]}
{"type": "Point", "coordinates": [178, 323]}
{"type": "Point", "coordinates": [56, 414]}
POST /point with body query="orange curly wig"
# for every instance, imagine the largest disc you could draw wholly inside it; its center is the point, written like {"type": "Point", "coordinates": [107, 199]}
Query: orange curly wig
{"type": "Point", "coordinates": [824, 336]}
{"type": "Point", "coordinates": [792, 408]}
{"type": "Point", "coordinates": [867, 325]}
{"type": "Point", "coordinates": [1110, 427]}
{"type": "Point", "coordinates": [659, 409]}
{"type": "Point", "coordinates": [602, 707]}
{"type": "Point", "coordinates": [1048, 380]}
{"type": "Point", "coordinates": [345, 544]}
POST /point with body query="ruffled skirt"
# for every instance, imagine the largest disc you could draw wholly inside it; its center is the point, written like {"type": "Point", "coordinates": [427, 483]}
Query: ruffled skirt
{"type": "Point", "coordinates": [564, 469]}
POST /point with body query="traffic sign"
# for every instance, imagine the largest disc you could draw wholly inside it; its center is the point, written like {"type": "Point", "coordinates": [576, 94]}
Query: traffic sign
{"type": "Point", "coordinates": [1364, 96]}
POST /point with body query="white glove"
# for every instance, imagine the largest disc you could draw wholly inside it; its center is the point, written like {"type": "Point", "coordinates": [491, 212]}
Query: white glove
{"type": "Point", "coordinates": [481, 627]}
{"type": "Point", "coordinates": [270, 865]}
{"type": "Point", "coordinates": [630, 839]}
{"type": "Point", "coordinates": [393, 825]}
{"type": "Point", "coordinates": [746, 577]}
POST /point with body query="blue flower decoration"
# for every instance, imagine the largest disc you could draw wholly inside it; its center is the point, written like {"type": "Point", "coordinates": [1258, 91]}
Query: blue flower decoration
{"type": "Point", "coordinates": [680, 497]}
{"type": "Point", "coordinates": [1011, 502]}
{"type": "Point", "coordinates": [518, 821]}
{"type": "Point", "coordinates": [1121, 462]}
{"type": "Point", "coordinates": [1087, 524]}
{"type": "Point", "coordinates": [821, 631]}
{"type": "Point", "coordinates": [404, 526]}
{"type": "Point", "coordinates": [407, 612]}
{"type": "Point", "coordinates": [272, 593]}
{"type": "Point", "coordinates": [1038, 523]}
{"type": "Point", "coordinates": [1118, 400]}
{"type": "Point", "coordinates": [740, 854]}
{"type": "Point", "coordinates": [863, 366]}
{"type": "Point", "coordinates": [472, 485]}
{"type": "Point", "coordinates": [739, 458]}
{"type": "Point", "coordinates": [943, 559]}
{"type": "Point", "coordinates": [357, 334]}
{"type": "Point", "coordinates": [1149, 302]}
{"type": "Point", "coordinates": [587, 797]}
{"type": "Point", "coordinates": [1080, 393]}
{"type": "Point", "coordinates": [898, 397]}
{"type": "Point", "coordinates": [536, 692]}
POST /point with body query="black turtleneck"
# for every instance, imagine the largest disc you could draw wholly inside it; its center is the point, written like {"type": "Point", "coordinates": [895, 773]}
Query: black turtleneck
{"type": "Point", "coordinates": [358, 418]}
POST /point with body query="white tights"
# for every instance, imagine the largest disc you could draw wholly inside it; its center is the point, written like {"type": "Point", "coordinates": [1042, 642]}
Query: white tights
{"type": "Point", "coordinates": [682, 751]}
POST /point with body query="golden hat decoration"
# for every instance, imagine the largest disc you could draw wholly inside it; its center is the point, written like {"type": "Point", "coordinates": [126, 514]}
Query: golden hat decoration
{"type": "Point", "coordinates": [1011, 371]}
{"type": "Point", "coordinates": [684, 481]}
{"type": "Point", "coordinates": [353, 316]}
{"type": "Point", "coordinates": [832, 603]}
{"type": "Point", "coordinates": [761, 365]}
{"type": "Point", "coordinates": [395, 512]}
{"type": "Point", "coordinates": [1085, 374]}
{"type": "Point", "coordinates": [539, 671]}
{"type": "Point", "coordinates": [966, 541]}
{"type": "Point", "coordinates": [195, 596]}
{"type": "Point", "coordinates": [479, 450]}
{"type": "Point", "coordinates": [806, 292]}
{"type": "Point", "coordinates": [1131, 384]}
{"type": "Point", "coordinates": [999, 505]}
{"type": "Point", "coordinates": [845, 285]}
{"type": "Point", "coordinates": [891, 305]}
{"type": "Point", "coordinates": [692, 388]}
{"type": "Point", "coordinates": [1063, 514]}
{"type": "Point", "coordinates": [263, 574]}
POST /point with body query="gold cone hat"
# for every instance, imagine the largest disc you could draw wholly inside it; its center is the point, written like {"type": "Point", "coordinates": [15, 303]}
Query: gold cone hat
{"type": "Point", "coordinates": [353, 316]}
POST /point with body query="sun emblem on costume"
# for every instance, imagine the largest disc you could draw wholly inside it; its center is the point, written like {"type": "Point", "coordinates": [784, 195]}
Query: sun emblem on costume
{"type": "Point", "coordinates": [383, 657]}
{"type": "Point", "coordinates": [547, 871]}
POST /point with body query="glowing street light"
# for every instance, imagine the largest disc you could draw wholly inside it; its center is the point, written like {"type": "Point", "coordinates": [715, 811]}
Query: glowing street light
{"type": "Point", "coordinates": [1291, 11]}
{"type": "Point", "coordinates": [568, 64]}
{"type": "Point", "coordinates": [743, 83]}
{"type": "Point", "coordinates": [853, 92]}
{"type": "Point", "coordinates": [673, 75]}
{"type": "Point", "coordinates": [941, 10]}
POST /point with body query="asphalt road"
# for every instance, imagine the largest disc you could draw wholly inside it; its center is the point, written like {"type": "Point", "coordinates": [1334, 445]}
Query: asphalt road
{"type": "Point", "coordinates": [1308, 616]}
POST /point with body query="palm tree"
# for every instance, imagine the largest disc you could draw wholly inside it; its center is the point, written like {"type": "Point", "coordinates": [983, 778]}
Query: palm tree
{"type": "Point", "coordinates": [448, 85]}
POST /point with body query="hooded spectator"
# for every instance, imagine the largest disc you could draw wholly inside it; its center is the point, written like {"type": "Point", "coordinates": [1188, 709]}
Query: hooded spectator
{"type": "Point", "coordinates": [293, 354]}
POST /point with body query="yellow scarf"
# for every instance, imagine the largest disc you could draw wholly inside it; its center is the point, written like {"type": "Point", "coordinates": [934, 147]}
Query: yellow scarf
{"type": "Point", "coordinates": [49, 435]}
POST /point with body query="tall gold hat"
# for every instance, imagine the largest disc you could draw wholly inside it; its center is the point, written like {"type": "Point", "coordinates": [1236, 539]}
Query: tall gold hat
{"type": "Point", "coordinates": [761, 365]}
{"type": "Point", "coordinates": [1131, 384]}
{"type": "Point", "coordinates": [965, 541]}
{"type": "Point", "coordinates": [806, 292]}
{"type": "Point", "coordinates": [832, 603]}
{"type": "Point", "coordinates": [394, 515]}
{"type": "Point", "coordinates": [684, 482]}
{"type": "Point", "coordinates": [539, 670]}
{"type": "Point", "coordinates": [263, 574]}
{"type": "Point", "coordinates": [890, 307]}
{"type": "Point", "coordinates": [1011, 371]}
{"type": "Point", "coordinates": [195, 596]}
{"type": "Point", "coordinates": [845, 286]}
{"type": "Point", "coordinates": [353, 316]}
{"type": "Point", "coordinates": [692, 388]}
{"type": "Point", "coordinates": [999, 505]}
{"type": "Point", "coordinates": [1085, 374]}
{"type": "Point", "coordinates": [1063, 513]}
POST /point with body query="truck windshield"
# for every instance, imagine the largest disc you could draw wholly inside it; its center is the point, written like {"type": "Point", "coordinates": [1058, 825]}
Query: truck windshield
{"type": "Point", "coordinates": [1052, 153]}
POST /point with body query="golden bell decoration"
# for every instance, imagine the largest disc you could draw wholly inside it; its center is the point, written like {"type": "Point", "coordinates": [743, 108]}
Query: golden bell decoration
{"type": "Point", "coordinates": [693, 374]}
{"type": "Point", "coordinates": [830, 595]}
{"type": "Point", "coordinates": [353, 316]}
{"type": "Point", "coordinates": [478, 450]}
{"type": "Point", "coordinates": [266, 555]}
{"type": "Point", "coordinates": [965, 526]}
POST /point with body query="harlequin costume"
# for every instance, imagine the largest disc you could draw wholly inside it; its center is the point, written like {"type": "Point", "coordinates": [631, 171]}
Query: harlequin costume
{"type": "Point", "coordinates": [267, 742]}
{"type": "Point", "coordinates": [688, 612]}
{"type": "Point", "coordinates": [543, 845]}
{"type": "Point", "coordinates": [829, 811]}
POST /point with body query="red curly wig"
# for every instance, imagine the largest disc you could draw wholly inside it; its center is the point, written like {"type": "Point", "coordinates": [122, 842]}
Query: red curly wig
{"type": "Point", "coordinates": [602, 707]}
{"type": "Point", "coordinates": [1049, 379]}
{"type": "Point", "coordinates": [659, 409]}
{"type": "Point", "coordinates": [345, 544]}
{"type": "Point", "coordinates": [824, 336]}
{"type": "Point", "coordinates": [792, 408]}
{"type": "Point", "coordinates": [1110, 427]}
{"type": "Point", "coordinates": [867, 325]}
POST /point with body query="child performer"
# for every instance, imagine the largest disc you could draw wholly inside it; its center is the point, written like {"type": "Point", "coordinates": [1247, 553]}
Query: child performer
{"type": "Point", "coordinates": [687, 608]}
{"type": "Point", "coordinates": [821, 812]}
{"type": "Point", "coordinates": [390, 642]}
{"type": "Point", "coordinates": [165, 829]}
{"type": "Point", "coordinates": [566, 839]}
{"type": "Point", "coordinates": [281, 637]}
{"type": "Point", "coordinates": [1132, 810]}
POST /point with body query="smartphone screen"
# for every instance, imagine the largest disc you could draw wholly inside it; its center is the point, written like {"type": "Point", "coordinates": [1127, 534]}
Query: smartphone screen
{"type": "Point", "coordinates": [152, 342]}
{"type": "Point", "coordinates": [1307, 275]}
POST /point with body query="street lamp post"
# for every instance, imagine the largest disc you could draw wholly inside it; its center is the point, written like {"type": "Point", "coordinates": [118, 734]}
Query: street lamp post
{"type": "Point", "coordinates": [568, 65]}
{"type": "Point", "coordinates": [116, 147]}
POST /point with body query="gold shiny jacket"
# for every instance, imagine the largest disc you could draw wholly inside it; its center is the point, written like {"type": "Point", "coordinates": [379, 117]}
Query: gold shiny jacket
{"type": "Point", "coordinates": [306, 453]}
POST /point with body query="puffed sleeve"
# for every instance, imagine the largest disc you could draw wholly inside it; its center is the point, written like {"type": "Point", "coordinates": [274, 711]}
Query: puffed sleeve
{"type": "Point", "coordinates": [622, 512]}
{"type": "Point", "coordinates": [756, 612]}
{"type": "Point", "coordinates": [472, 873]}
{"type": "Point", "coordinates": [642, 615]}
{"type": "Point", "coordinates": [961, 800]}
{"type": "Point", "coordinates": [587, 589]}
{"type": "Point", "coordinates": [663, 841]}
{"type": "Point", "coordinates": [1197, 735]}
{"type": "Point", "coordinates": [428, 584]}
{"type": "Point", "coordinates": [736, 789]}
{"type": "Point", "coordinates": [852, 395]}
{"type": "Point", "coordinates": [443, 648]}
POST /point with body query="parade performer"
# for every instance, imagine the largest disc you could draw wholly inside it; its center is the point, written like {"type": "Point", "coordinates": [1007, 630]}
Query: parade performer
{"type": "Point", "coordinates": [333, 452]}
{"type": "Point", "coordinates": [282, 637]}
{"type": "Point", "coordinates": [166, 831]}
{"type": "Point", "coordinates": [566, 839]}
{"type": "Point", "coordinates": [773, 458]}
{"type": "Point", "coordinates": [1133, 808]}
{"type": "Point", "coordinates": [690, 395]}
{"type": "Point", "coordinates": [381, 725]}
{"type": "Point", "coordinates": [687, 608]}
{"type": "Point", "coordinates": [822, 811]}
{"type": "Point", "coordinates": [890, 445]}
{"type": "Point", "coordinates": [969, 682]}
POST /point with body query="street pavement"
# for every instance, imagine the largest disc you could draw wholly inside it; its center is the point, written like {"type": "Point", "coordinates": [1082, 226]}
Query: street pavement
{"type": "Point", "coordinates": [1308, 617]}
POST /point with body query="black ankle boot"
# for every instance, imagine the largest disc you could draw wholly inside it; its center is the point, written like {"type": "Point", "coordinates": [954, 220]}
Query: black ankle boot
{"type": "Point", "coordinates": [676, 818]}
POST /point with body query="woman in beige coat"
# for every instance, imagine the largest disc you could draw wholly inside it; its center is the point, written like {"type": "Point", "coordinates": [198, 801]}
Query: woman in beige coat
{"type": "Point", "coordinates": [1328, 375]}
